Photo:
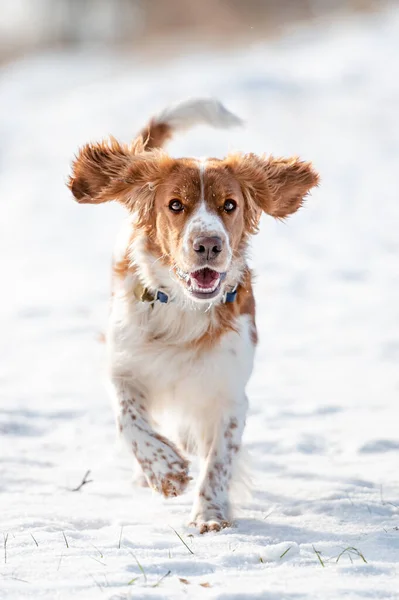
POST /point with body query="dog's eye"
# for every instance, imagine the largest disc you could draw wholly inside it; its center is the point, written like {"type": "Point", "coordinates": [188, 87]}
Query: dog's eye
{"type": "Point", "coordinates": [229, 206]}
{"type": "Point", "coordinates": [176, 206]}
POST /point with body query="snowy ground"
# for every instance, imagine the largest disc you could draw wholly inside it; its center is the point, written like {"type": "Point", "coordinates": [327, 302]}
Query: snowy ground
{"type": "Point", "coordinates": [323, 429]}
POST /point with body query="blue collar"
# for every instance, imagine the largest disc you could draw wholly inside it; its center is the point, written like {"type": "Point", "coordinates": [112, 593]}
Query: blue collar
{"type": "Point", "coordinates": [164, 298]}
{"type": "Point", "coordinates": [230, 296]}
{"type": "Point", "coordinates": [145, 296]}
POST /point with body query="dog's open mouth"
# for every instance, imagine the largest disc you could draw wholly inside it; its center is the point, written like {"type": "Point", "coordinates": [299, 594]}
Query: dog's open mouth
{"type": "Point", "coordinates": [203, 283]}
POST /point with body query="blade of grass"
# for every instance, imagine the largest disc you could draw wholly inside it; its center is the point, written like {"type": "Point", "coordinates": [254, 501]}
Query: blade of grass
{"type": "Point", "coordinates": [66, 541]}
{"type": "Point", "coordinates": [182, 541]}
{"type": "Point", "coordinates": [59, 562]}
{"type": "Point", "coordinates": [349, 550]}
{"type": "Point", "coordinates": [285, 551]}
{"type": "Point", "coordinates": [268, 514]}
{"type": "Point", "coordinates": [361, 555]}
{"type": "Point", "coordinates": [5, 536]}
{"type": "Point", "coordinates": [317, 552]}
{"type": "Point", "coordinates": [96, 559]}
{"type": "Point", "coordinates": [120, 538]}
{"type": "Point", "coordinates": [98, 550]}
{"type": "Point", "coordinates": [140, 567]}
{"type": "Point", "coordinates": [34, 539]}
{"type": "Point", "coordinates": [17, 579]}
{"type": "Point", "coordinates": [161, 579]}
{"type": "Point", "coordinates": [84, 481]}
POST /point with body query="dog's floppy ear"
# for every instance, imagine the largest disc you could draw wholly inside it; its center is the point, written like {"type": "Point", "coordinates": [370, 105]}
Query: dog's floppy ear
{"type": "Point", "coordinates": [109, 170]}
{"type": "Point", "coordinates": [278, 186]}
{"type": "Point", "coordinates": [95, 166]}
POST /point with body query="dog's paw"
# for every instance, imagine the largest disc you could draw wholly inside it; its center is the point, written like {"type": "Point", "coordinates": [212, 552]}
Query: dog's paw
{"type": "Point", "coordinates": [174, 483]}
{"type": "Point", "coordinates": [167, 472]}
{"type": "Point", "coordinates": [215, 524]}
{"type": "Point", "coordinates": [210, 517]}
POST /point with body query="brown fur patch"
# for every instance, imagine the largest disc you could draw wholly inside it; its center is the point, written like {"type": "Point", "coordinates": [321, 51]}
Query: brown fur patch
{"type": "Point", "coordinates": [156, 134]}
{"type": "Point", "coordinates": [277, 186]}
{"type": "Point", "coordinates": [227, 315]}
{"type": "Point", "coordinates": [121, 267]}
{"type": "Point", "coordinates": [94, 168]}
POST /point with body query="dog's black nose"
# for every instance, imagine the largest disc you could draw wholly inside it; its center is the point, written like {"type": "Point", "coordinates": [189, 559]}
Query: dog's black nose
{"type": "Point", "coordinates": [210, 247]}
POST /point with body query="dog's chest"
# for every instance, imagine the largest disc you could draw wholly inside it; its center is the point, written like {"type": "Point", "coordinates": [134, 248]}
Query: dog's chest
{"type": "Point", "coordinates": [161, 347]}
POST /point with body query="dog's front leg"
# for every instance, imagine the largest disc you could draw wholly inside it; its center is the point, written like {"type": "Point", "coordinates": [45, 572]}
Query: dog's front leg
{"type": "Point", "coordinates": [211, 510]}
{"type": "Point", "coordinates": [165, 469]}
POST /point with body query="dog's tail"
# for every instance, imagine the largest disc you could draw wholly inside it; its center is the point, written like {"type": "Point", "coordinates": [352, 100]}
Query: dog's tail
{"type": "Point", "coordinates": [197, 111]}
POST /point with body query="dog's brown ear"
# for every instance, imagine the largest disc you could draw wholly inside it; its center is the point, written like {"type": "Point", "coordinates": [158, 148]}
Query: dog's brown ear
{"type": "Point", "coordinates": [113, 171]}
{"type": "Point", "coordinates": [278, 186]}
{"type": "Point", "coordinates": [95, 166]}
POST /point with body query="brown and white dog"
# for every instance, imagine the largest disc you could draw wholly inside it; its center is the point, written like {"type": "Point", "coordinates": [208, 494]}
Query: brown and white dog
{"type": "Point", "coordinates": [182, 332]}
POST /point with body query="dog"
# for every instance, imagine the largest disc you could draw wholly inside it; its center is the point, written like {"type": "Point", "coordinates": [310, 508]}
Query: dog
{"type": "Point", "coordinates": [182, 334]}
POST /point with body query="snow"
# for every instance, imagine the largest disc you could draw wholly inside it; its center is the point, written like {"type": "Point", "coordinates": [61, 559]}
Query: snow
{"type": "Point", "coordinates": [323, 426]}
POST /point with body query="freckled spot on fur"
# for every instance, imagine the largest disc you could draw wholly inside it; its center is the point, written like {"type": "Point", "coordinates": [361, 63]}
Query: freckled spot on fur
{"type": "Point", "coordinates": [174, 484]}
{"type": "Point", "coordinates": [233, 447]}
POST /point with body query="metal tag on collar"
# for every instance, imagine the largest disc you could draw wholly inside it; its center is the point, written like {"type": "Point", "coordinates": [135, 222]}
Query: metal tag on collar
{"type": "Point", "coordinates": [162, 297]}
{"type": "Point", "coordinates": [230, 296]}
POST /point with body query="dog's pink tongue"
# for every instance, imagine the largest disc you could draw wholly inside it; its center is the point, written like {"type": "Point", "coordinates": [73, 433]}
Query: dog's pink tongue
{"type": "Point", "coordinates": [205, 277]}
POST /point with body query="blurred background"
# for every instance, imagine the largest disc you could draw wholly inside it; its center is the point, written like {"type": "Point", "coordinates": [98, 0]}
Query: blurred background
{"type": "Point", "coordinates": [30, 25]}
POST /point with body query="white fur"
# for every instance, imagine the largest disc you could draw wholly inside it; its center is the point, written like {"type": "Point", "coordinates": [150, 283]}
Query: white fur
{"type": "Point", "coordinates": [191, 395]}
{"type": "Point", "coordinates": [202, 167]}
{"type": "Point", "coordinates": [204, 222]}
{"type": "Point", "coordinates": [198, 111]}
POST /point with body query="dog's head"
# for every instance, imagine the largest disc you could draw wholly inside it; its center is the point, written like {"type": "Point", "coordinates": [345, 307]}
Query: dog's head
{"type": "Point", "coordinates": [193, 217]}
